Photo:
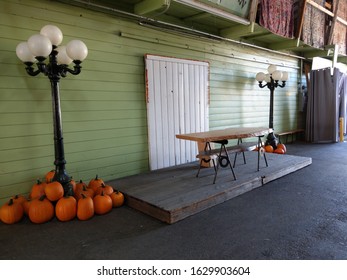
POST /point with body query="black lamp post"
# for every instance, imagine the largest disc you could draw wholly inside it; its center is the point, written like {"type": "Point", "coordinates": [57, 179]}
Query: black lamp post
{"type": "Point", "coordinates": [271, 82]}
{"type": "Point", "coordinates": [36, 50]}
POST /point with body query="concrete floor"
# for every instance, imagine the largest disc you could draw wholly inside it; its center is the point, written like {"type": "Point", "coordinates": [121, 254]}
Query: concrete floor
{"type": "Point", "coordinates": [300, 216]}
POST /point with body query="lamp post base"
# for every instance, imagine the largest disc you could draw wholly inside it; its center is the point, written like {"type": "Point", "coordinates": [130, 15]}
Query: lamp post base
{"type": "Point", "coordinates": [271, 140]}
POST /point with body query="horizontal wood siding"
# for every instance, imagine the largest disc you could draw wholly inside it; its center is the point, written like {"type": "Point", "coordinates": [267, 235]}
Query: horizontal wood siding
{"type": "Point", "coordinates": [103, 108]}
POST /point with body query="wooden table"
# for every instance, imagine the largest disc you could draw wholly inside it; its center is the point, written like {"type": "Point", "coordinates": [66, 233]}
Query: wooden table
{"type": "Point", "coordinates": [222, 136]}
{"type": "Point", "coordinates": [225, 134]}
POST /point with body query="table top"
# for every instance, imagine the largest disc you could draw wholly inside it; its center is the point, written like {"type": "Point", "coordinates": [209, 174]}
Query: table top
{"type": "Point", "coordinates": [225, 134]}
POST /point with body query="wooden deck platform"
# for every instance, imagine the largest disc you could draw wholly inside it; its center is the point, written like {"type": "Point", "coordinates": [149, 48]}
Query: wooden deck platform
{"type": "Point", "coordinates": [174, 193]}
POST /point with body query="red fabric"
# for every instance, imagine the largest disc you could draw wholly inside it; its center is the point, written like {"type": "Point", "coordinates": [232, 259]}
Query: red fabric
{"type": "Point", "coordinates": [277, 16]}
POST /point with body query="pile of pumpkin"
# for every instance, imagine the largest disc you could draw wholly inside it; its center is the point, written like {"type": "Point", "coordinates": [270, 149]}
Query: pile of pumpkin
{"type": "Point", "coordinates": [280, 149]}
{"type": "Point", "coordinates": [47, 200]}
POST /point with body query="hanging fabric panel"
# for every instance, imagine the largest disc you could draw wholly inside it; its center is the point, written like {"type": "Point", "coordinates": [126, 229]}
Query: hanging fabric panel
{"type": "Point", "coordinates": [313, 30]}
{"type": "Point", "coordinates": [323, 106]}
{"type": "Point", "coordinates": [277, 16]}
{"type": "Point", "coordinates": [343, 100]}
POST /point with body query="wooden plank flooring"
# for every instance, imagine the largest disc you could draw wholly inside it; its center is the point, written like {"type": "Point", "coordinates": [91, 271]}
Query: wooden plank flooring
{"type": "Point", "coordinates": [174, 193]}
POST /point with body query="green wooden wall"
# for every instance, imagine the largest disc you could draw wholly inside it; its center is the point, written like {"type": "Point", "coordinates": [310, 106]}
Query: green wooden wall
{"type": "Point", "coordinates": [103, 108]}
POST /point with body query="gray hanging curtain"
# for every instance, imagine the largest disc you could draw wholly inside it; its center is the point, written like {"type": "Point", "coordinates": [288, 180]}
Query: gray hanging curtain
{"type": "Point", "coordinates": [323, 106]}
{"type": "Point", "coordinates": [343, 100]}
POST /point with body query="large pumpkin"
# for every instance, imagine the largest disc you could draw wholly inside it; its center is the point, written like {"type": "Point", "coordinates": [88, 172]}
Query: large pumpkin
{"type": "Point", "coordinates": [54, 191]}
{"type": "Point", "coordinates": [37, 190]}
{"type": "Point", "coordinates": [102, 204]}
{"type": "Point", "coordinates": [11, 212]}
{"type": "Point", "coordinates": [66, 208]}
{"type": "Point", "coordinates": [41, 210]}
{"type": "Point", "coordinates": [95, 183]}
{"type": "Point", "coordinates": [85, 208]}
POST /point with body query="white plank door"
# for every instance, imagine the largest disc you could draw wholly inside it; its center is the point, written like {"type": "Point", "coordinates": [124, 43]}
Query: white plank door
{"type": "Point", "coordinates": [177, 95]}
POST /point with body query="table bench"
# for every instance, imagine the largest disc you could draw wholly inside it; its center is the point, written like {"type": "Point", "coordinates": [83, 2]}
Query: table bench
{"type": "Point", "coordinates": [222, 154]}
{"type": "Point", "coordinates": [289, 133]}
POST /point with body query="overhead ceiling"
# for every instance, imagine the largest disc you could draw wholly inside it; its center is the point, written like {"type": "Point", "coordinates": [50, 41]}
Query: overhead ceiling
{"type": "Point", "coordinates": [209, 17]}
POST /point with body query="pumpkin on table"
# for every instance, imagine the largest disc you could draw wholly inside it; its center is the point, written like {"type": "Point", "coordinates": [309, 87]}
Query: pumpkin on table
{"type": "Point", "coordinates": [41, 210]}
{"type": "Point", "coordinates": [11, 212]}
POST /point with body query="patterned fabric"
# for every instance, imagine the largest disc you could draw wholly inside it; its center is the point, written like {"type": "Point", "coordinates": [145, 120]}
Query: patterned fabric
{"type": "Point", "coordinates": [340, 31]}
{"type": "Point", "coordinates": [313, 31]}
{"type": "Point", "coordinates": [277, 16]}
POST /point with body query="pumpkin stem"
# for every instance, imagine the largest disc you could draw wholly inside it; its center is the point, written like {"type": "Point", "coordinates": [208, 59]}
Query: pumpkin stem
{"type": "Point", "coordinates": [96, 177]}
{"type": "Point", "coordinates": [10, 202]}
{"type": "Point", "coordinates": [83, 195]}
{"type": "Point", "coordinates": [38, 181]}
{"type": "Point", "coordinates": [81, 181]}
{"type": "Point", "coordinates": [42, 197]}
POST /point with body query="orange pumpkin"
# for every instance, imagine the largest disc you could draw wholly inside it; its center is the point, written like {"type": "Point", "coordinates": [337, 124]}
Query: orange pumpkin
{"type": "Point", "coordinates": [41, 210]}
{"type": "Point", "coordinates": [106, 189]}
{"type": "Point", "coordinates": [37, 190]}
{"type": "Point", "coordinates": [282, 146]}
{"type": "Point", "coordinates": [54, 191]}
{"type": "Point", "coordinates": [84, 191]}
{"type": "Point", "coordinates": [66, 208]}
{"type": "Point", "coordinates": [19, 199]}
{"type": "Point", "coordinates": [102, 204]}
{"type": "Point", "coordinates": [80, 185]}
{"type": "Point", "coordinates": [117, 198]}
{"type": "Point", "coordinates": [11, 212]}
{"type": "Point", "coordinates": [49, 176]}
{"type": "Point", "coordinates": [279, 151]}
{"type": "Point", "coordinates": [269, 149]}
{"type": "Point", "coordinates": [26, 205]}
{"type": "Point", "coordinates": [85, 208]}
{"type": "Point", "coordinates": [95, 183]}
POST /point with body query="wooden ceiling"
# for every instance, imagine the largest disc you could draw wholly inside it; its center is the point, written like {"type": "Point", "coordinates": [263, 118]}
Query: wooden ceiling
{"type": "Point", "coordinates": [216, 20]}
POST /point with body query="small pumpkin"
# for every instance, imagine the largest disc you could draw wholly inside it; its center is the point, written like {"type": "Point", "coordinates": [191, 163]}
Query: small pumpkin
{"type": "Point", "coordinates": [282, 146]}
{"type": "Point", "coordinates": [54, 191]}
{"type": "Point", "coordinates": [26, 205]}
{"type": "Point", "coordinates": [11, 212]}
{"type": "Point", "coordinates": [106, 189]}
{"type": "Point", "coordinates": [279, 151]}
{"type": "Point", "coordinates": [18, 198]}
{"type": "Point", "coordinates": [80, 185]}
{"type": "Point", "coordinates": [66, 208]}
{"type": "Point", "coordinates": [102, 203]}
{"type": "Point", "coordinates": [269, 149]}
{"type": "Point", "coordinates": [41, 210]}
{"type": "Point", "coordinates": [73, 184]}
{"type": "Point", "coordinates": [84, 191]}
{"type": "Point", "coordinates": [85, 208]}
{"type": "Point", "coordinates": [37, 190]}
{"type": "Point", "coordinates": [117, 198]}
{"type": "Point", "coordinates": [95, 183]}
{"type": "Point", "coordinates": [49, 176]}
